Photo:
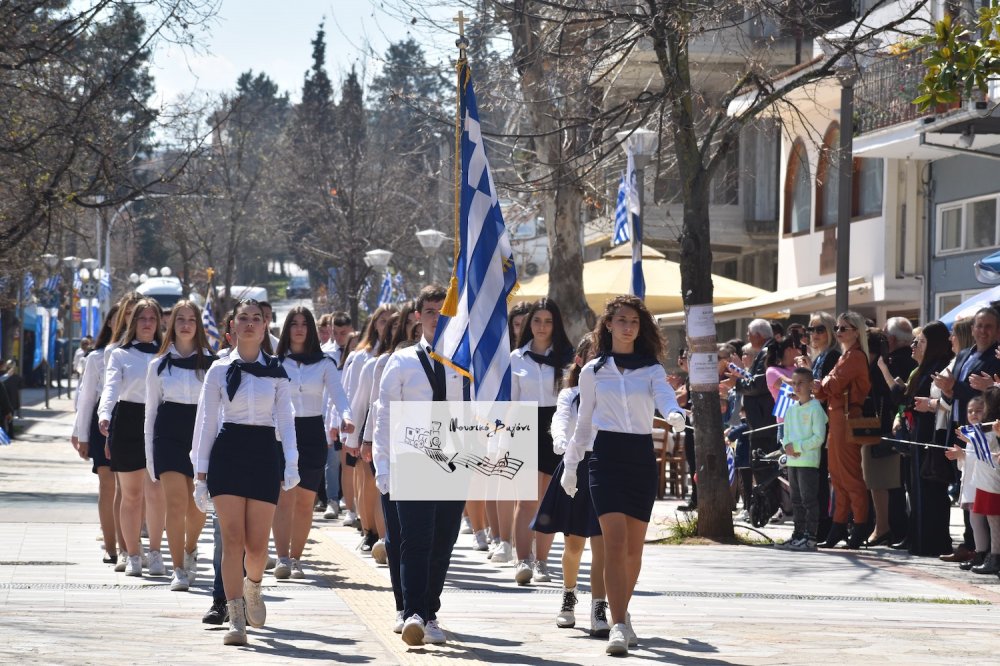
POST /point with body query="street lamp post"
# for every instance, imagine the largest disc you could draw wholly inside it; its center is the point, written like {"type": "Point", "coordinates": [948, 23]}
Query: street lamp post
{"type": "Point", "coordinates": [51, 261]}
{"type": "Point", "coordinates": [643, 143]}
{"type": "Point", "coordinates": [378, 259]}
{"type": "Point", "coordinates": [431, 240]}
{"type": "Point", "coordinates": [847, 72]}
{"type": "Point", "coordinates": [73, 264]}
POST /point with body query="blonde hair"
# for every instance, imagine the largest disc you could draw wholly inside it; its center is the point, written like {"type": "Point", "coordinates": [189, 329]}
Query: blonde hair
{"type": "Point", "coordinates": [860, 325]}
{"type": "Point", "coordinates": [200, 339]}
{"type": "Point", "coordinates": [133, 320]}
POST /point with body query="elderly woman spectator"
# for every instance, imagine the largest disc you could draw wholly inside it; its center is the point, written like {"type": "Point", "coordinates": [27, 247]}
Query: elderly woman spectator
{"type": "Point", "coordinates": [845, 389]}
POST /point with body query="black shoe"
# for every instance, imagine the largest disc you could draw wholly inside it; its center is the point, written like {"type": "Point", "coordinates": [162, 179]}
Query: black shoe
{"type": "Point", "coordinates": [902, 545]}
{"type": "Point", "coordinates": [110, 559]}
{"type": "Point", "coordinates": [976, 560]}
{"type": "Point", "coordinates": [369, 541]}
{"type": "Point", "coordinates": [217, 614]}
{"type": "Point", "coordinates": [859, 536]}
{"type": "Point", "coordinates": [837, 533]}
{"type": "Point", "coordinates": [990, 565]}
{"type": "Point", "coordinates": [884, 540]}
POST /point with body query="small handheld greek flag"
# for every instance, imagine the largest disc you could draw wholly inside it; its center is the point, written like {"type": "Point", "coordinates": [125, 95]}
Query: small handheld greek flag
{"type": "Point", "coordinates": [743, 372]}
{"type": "Point", "coordinates": [731, 465]}
{"type": "Point", "coordinates": [786, 396]}
{"type": "Point", "coordinates": [980, 446]}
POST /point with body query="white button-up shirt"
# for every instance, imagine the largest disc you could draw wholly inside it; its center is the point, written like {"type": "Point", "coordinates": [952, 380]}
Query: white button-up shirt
{"type": "Point", "coordinates": [531, 381]}
{"type": "Point", "coordinates": [259, 401]}
{"type": "Point", "coordinates": [352, 370]}
{"type": "Point", "coordinates": [404, 379]}
{"type": "Point", "coordinates": [618, 402]}
{"type": "Point", "coordinates": [564, 420]}
{"type": "Point", "coordinates": [361, 400]}
{"type": "Point", "coordinates": [124, 379]}
{"type": "Point", "coordinates": [369, 434]}
{"type": "Point", "coordinates": [311, 385]}
{"type": "Point", "coordinates": [173, 385]}
{"type": "Point", "coordinates": [88, 393]}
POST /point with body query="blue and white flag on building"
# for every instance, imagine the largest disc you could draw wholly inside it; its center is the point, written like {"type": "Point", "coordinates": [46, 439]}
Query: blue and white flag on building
{"type": "Point", "coordinates": [980, 446]}
{"type": "Point", "coordinates": [622, 233]}
{"type": "Point", "coordinates": [385, 293]}
{"type": "Point", "coordinates": [786, 396]}
{"type": "Point", "coordinates": [211, 328]}
{"type": "Point", "coordinates": [471, 333]}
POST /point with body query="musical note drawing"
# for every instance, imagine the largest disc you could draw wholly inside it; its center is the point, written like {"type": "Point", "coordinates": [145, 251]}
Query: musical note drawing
{"type": "Point", "coordinates": [429, 442]}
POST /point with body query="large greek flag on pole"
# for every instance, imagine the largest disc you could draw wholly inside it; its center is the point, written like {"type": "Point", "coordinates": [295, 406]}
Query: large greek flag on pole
{"type": "Point", "coordinates": [208, 321]}
{"type": "Point", "coordinates": [472, 334]}
{"type": "Point", "coordinates": [622, 232]}
{"type": "Point", "coordinates": [635, 227]}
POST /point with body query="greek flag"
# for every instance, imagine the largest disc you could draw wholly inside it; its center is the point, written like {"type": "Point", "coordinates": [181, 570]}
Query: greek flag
{"type": "Point", "coordinates": [981, 447]}
{"type": "Point", "coordinates": [786, 396]}
{"type": "Point", "coordinates": [621, 234]}
{"type": "Point", "coordinates": [4, 438]}
{"type": "Point", "coordinates": [397, 286]}
{"type": "Point", "coordinates": [53, 282]}
{"type": "Point", "coordinates": [77, 282]}
{"type": "Point", "coordinates": [635, 215]}
{"type": "Point", "coordinates": [472, 334]}
{"type": "Point", "coordinates": [731, 465]}
{"type": "Point", "coordinates": [743, 372]}
{"type": "Point", "coordinates": [104, 290]}
{"type": "Point", "coordinates": [29, 284]}
{"type": "Point", "coordinates": [211, 328]}
{"type": "Point", "coordinates": [385, 293]}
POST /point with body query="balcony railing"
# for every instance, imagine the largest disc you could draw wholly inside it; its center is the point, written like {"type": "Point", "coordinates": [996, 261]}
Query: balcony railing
{"type": "Point", "coordinates": [885, 92]}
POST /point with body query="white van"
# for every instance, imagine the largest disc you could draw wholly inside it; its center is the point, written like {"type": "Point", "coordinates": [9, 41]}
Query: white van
{"type": "Point", "coordinates": [240, 292]}
{"type": "Point", "coordinates": [165, 290]}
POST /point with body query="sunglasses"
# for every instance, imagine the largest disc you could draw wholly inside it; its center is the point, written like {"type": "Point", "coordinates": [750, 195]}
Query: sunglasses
{"type": "Point", "coordinates": [844, 329]}
{"type": "Point", "coordinates": [816, 329]}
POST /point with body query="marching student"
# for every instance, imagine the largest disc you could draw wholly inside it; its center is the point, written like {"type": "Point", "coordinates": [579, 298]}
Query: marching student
{"type": "Point", "coordinates": [574, 516]}
{"type": "Point", "coordinates": [238, 460]}
{"type": "Point", "coordinates": [542, 348]}
{"type": "Point", "coordinates": [337, 347]}
{"type": "Point", "coordinates": [313, 376]}
{"type": "Point", "coordinates": [122, 413]}
{"type": "Point", "coordinates": [428, 529]}
{"type": "Point", "coordinates": [619, 390]}
{"type": "Point", "coordinates": [173, 384]}
{"type": "Point", "coordinates": [89, 441]}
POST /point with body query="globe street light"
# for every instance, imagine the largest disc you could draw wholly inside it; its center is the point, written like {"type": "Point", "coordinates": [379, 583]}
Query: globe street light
{"type": "Point", "coordinates": [378, 259]}
{"type": "Point", "coordinates": [50, 260]}
{"type": "Point", "coordinates": [431, 240]}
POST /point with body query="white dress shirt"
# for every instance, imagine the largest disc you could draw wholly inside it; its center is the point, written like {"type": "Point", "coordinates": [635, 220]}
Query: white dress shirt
{"type": "Point", "coordinates": [124, 379]}
{"type": "Point", "coordinates": [173, 385]}
{"type": "Point", "coordinates": [88, 393]}
{"type": "Point", "coordinates": [259, 401]}
{"type": "Point", "coordinates": [352, 370]}
{"type": "Point", "coordinates": [618, 402]}
{"type": "Point", "coordinates": [564, 420]}
{"type": "Point", "coordinates": [531, 381]}
{"type": "Point", "coordinates": [361, 401]}
{"type": "Point", "coordinates": [311, 384]}
{"type": "Point", "coordinates": [404, 379]}
{"type": "Point", "coordinates": [369, 434]}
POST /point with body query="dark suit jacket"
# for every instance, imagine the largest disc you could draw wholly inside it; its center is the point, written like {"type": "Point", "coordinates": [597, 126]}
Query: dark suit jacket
{"type": "Point", "coordinates": [987, 362]}
{"type": "Point", "coordinates": [757, 400]}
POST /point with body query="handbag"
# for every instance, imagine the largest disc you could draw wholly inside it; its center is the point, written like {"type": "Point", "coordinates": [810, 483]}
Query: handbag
{"type": "Point", "coordinates": [864, 430]}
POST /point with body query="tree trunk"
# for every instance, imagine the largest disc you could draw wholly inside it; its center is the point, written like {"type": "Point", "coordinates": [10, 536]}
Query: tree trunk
{"type": "Point", "coordinates": [566, 262]}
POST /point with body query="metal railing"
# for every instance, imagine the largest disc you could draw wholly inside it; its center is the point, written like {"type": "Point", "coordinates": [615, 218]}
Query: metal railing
{"type": "Point", "coordinates": [885, 92]}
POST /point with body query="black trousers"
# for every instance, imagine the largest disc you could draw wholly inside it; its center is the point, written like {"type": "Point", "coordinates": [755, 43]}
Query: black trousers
{"type": "Point", "coordinates": [428, 531]}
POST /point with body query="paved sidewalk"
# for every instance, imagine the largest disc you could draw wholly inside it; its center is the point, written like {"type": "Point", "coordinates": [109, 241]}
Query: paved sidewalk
{"type": "Point", "coordinates": [696, 605]}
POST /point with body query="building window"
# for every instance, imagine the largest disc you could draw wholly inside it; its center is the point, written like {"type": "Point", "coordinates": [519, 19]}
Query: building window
{"type": "Point", "coordinates": [966, 226]}
{"type": "Point", "coordinates": [828, 178]}
{"type": "Point", "coordinates": [866, 199]}
{"type": "Point", "coordinates": [798, 190]}
{"type": "Point", "coordinates": [946, 302]}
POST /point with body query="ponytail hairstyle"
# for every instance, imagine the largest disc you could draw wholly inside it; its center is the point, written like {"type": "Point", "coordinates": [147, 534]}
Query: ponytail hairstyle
{"type": "Point", "coordinates": [125, 306]}
{"type": "Point", "coordinates": [584, 351]}
{"type": "Point", "coordinates": [370, 339]}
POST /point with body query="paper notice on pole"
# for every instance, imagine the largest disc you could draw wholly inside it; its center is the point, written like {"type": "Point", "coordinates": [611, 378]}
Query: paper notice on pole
{"type": "Point", "coordinates": [703, 371]}
{"type": "Point", "coordinates": [700, 322]}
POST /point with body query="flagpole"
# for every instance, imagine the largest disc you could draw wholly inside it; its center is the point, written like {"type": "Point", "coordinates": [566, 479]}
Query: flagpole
{"type": "Point", "coordinates": [450, 306]}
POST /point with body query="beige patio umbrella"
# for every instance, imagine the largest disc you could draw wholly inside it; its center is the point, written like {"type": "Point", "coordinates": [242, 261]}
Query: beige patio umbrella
{"type": "Point", "coordinates": [611, 275]}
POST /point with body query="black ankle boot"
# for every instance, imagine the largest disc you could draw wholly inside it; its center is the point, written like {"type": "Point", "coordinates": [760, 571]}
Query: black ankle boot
{"type": "Point", "coordinates": [859, 535]}
{"type": "Point", "coordinates": [837, 533]}
{"type": "Point", "coordinates": [976, 560]}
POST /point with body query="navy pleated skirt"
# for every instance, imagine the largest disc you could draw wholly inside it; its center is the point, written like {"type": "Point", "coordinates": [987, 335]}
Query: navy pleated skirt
{"type": "Point", "coordinates": [558, 512]}
{"type": "Point", "coordinates": [548, 459]}
{"type": "Point", "coordinates": [310, 436]}
{"type": "Point", "coordinates": [95, 444]}
{"type": "Point", "coordinates": [172, 435]}
{"type": "Point", "coordinates": [623, 474]}
{"type": "Point", "coordinates": [246, 461]}
{"type": "Point", "coordinates": [128, 444]}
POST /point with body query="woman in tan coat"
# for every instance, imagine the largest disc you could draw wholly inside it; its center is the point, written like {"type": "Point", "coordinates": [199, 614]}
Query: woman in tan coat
{"type": "Point", "coordinates": [844, 390]}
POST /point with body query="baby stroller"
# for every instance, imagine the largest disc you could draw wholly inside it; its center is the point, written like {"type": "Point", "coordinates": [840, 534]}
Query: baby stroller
{"type": "Point", "coordinates": [765, 500]}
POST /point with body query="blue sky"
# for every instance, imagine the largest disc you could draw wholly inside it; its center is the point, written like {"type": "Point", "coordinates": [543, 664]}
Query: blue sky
{"type": "Point", "coordinates": [273, 37]}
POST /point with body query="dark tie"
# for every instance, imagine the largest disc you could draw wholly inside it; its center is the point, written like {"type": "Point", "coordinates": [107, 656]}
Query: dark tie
{"type": "Point", "coordinates": [440, 388]}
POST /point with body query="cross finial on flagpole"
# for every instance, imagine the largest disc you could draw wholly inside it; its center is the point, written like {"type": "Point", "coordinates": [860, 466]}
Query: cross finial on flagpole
{"type": "Point", "coordinates": [460, 20]}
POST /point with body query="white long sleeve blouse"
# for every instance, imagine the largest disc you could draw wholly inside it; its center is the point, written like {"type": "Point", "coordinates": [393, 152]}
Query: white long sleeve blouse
{"type": "Point", "coordinates": [352, 370]}
{"type": "Point", "coordinates": [361, 401]}
{"type": "Point", "coordinates": [531, 381]}
{"type": "Point", "coordinates": [124, 379]}
{"type": "Point", "coordinates": [312, 385]}
{"type": "Point", "coordinates": [369, 433]}
{"type": "Point", "coordinates": [259, 401]}
{"type": "Point", "coordinates": [564, 420]}
{"type": "Point", "coordinates": [88, 393]}
{"type": "Point", "coordinates": [172, 385]}
{"type": "Point", "coordinates": [618, 401]}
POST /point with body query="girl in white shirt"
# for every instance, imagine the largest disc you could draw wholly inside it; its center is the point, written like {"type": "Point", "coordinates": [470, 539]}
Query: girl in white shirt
{"type": "Point", "coordinates": [122, 412]}
{"type": "Point", "coordinates": [536, 375]}
{"type": "Point", "coordinates": [315, 380]}
{"type": "Point", "coordinates": [619, 390]}
{"type": "Point", "coordinates": [238, 460]}
{"type": "Point", "coordinates": [173, 384]}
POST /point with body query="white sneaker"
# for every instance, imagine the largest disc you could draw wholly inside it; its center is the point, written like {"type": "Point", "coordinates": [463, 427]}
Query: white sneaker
{"type": "Point", "coordinates": [541, 573]}
{"type": "Point", "coordinates": [413, 630]}
{"type": "Point", "coordinates": [283, 569]}
{"type": "Point", "coordinates": [397, 627]}
{"type": "Point", "coordinates": [237, 634]}
{"type": "Point", "coordinates": [122, 561]}
{"type": "Point", "coordinates": [479, 541]}
{"type": "Point", "coordinates": [433, 635]}
{"type": "Point", "coordinates": [379, 553]}
{"type": "Point", "coordinates": [332, 511]}
{"type": "Point", "coordinates": [522, 572]}
{"type": "Point", "coordinates": [272, 561]}
{"type": "Point", "coordinates": [133, 567]}
{"type": "Point", "coordinates": [256, 610]}
{"type": "Point", "coordinates": [633, 640]}
{"type": "Point", "coordinates": [191, 565]}
{"type": "Point", "coordinates": [350, 519]}
{"type": "Point", "coordinates": [503, 554]}
{"type": "Point", "coordinates": [567, 615]}
{"type": "Point", "coordinates": [492, 549]}
{"type": "Point", "coordinates": [617, 640]}
{"type": "Point", "coordinates": [744, 517]}
{"type": "Point", "coordinates": [296, 570]}
{"type": "Point", "coordinates": [156, 567]}
{"type": "Point", "coordinates": [466, 529]}
{"type": "Point", "coordinates": [778, 518]}
{"type": "Point", "coordinates": [599, 626]}
{"type": "Point", "coordinates": [180, 582]}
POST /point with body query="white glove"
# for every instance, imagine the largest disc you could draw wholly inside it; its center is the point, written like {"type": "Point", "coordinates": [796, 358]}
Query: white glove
{"type": "Point", "coordinates": [382, 483]}
{"type": "Point", "coordinates": [568, 482]}
{"type": "Point", "coordinates": [559, 445]}
{"type": "Point", "coordinates": [202, 499]}
{"type": "Point", "coordinates": [291, 478]}
{"type": "Point", "coordinates": [676, 421]}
